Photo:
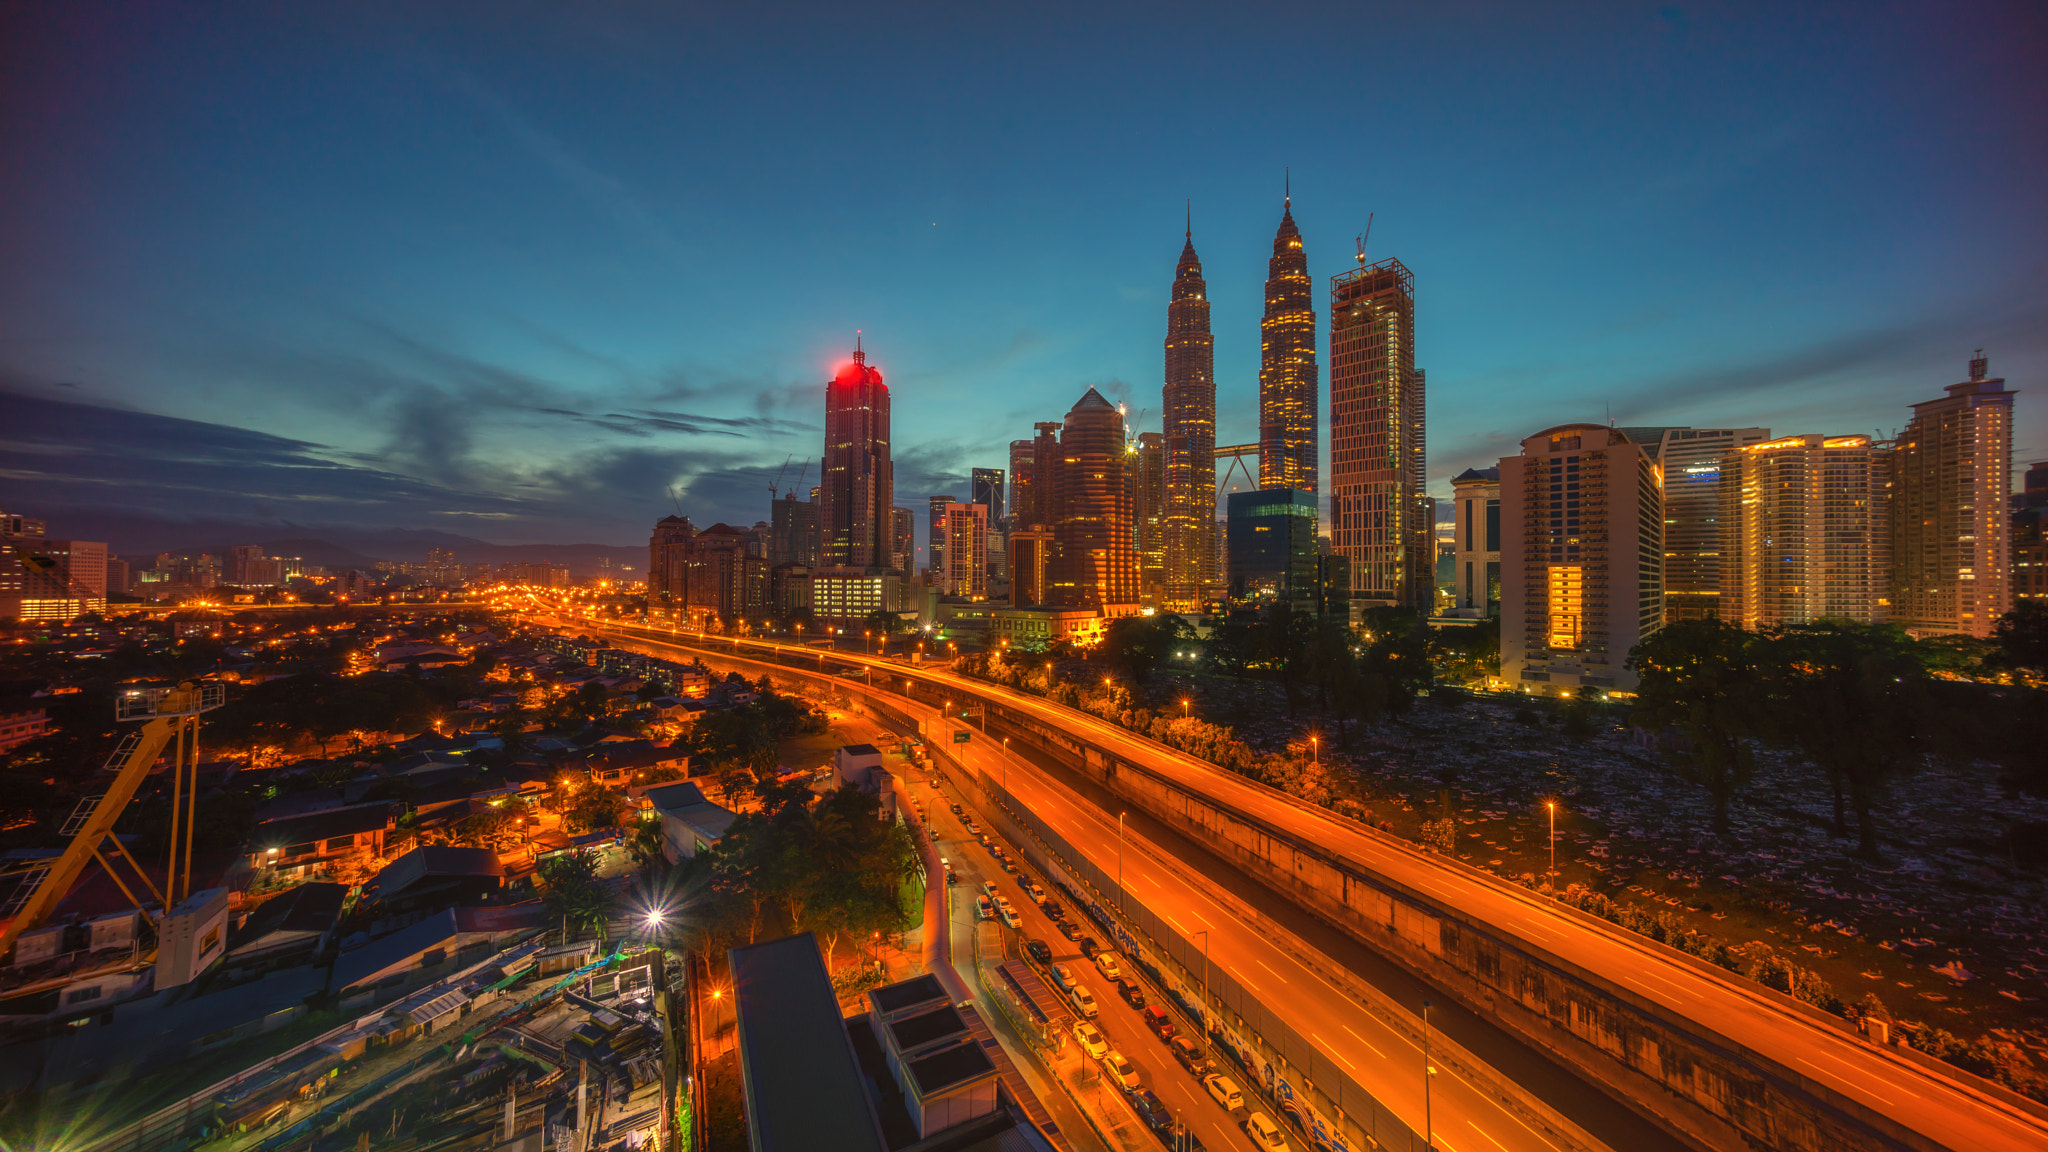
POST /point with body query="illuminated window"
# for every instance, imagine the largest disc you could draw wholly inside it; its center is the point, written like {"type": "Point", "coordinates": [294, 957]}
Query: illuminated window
{"type": "Point", "coordinates": [1567, 606]}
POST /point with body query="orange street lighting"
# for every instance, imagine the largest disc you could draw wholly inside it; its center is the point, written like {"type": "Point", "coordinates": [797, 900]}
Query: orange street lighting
{"type": "Point", "coordinates": [1314, 752]}
{"type": "Point", "coordinates": [1552, 805]}
{"type": "Point", "coordinates": [1184, 708]}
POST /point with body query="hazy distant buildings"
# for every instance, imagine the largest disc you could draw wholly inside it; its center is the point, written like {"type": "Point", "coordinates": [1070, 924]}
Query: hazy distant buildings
{"type": "Point", "coordinates": [1582, 558]}
{"type": "Point", "coordinates": [1093, 564]}
{"type": "Point", "coordinates": [49, 580]}
{"type": "Point", "coordinates": [1381, 517]}
{"type": "Point", "coordinates": [1951, 484]}
{"type": "Point", "coordinates": [1272, 548]}
{"type": "Point", "coordinates": [1189, 422]}
{"type": "Point", "coordinates": [668, 565]}
{"type": "Point", "coordinates": [857, 489]}
{"type": "Point", "coordinates": [1475, 543]}
{"type": "Point", "coordinates": [1289, 399]}
{"type": "Point", "coordinates": [1805, 531]}
{"type": "Point", "coordinates": [1691, 459]}
{"type": "Point", "coordinates": [903, 540]}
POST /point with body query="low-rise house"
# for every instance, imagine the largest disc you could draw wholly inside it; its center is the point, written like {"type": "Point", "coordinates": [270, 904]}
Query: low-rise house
{"type": "Point", "coordinates": [298, 843]}
{"type": "Point", "coordinates": [435, 876]}
{"type": "Point", "coordinates": [292, 928]}
{"type": "Point", "coordinates": [690, 824]}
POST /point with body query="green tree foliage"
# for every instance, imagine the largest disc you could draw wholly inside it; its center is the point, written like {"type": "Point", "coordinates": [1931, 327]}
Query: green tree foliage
{"type": "Point", "coordinates": [573, 891]}
{"type": "Point", "coordinates": [1699, 680]}
{"type": "Point", "coordinates": [1135, 646]}
{"type": "Point", "coordinates": [750, 735]}
{"type": "Point", "coordinates": [593, 808]}
{"type": "Point", "coordinates": [1467, 655]}
{"type": "Point", "coordinates": [2022, 636]}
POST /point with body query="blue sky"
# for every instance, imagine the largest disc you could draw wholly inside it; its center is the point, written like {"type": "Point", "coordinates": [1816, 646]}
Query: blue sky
{"type": "Point", "coordinates": [517, 270]}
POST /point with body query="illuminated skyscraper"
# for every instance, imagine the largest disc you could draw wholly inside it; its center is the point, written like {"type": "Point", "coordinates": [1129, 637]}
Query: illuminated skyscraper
{"type": "Point", "coordinates": [1093, 564]}
{"type": "Point", "coordinates": [985, 488]}
{"type": "Point", "coordinates": [1693, 551]}
{"type": "Point", "coordinates": [1023, 508]}
{"type": "Point", "coordinates": [1288, 395]}
{"type": "Point", "coordinates": [857, 496]}
{"type": "Point", "coordinates": [1951, 525]}
{"type": "Point", "coordinates": [1148, 514]}
{"type": "Point", "coordinates": [1190, 435]}
{"type": "Point", "coordinates": [935, 534]}
{"type": "Point", "coordinates": [1804, 531]}
{"type": "Point", "coordinates": [1381, 517]}
{"type": "Point", "coordinates": [965, 527]}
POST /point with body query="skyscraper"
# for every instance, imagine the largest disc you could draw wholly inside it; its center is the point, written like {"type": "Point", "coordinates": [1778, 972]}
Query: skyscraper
{"type": "Point", "coordinates": [1693, 529]}
{"type": "Point", "coordinates": [1023, 490]}
{"type": "Point", "coordinates": [1148, 515]}
{"type": "Point", "coordinates": [2029, 537]}
{"type": "Point", "coordinates": [1272, 547]}
{"type": "Point", "coordinates": [903, 548]}
{"type": "Point", "coordinates": [1381, 517]}
{"type": "Point", "coordinates": [668, 565]}
{"type": "Point", "coordinates": [985, 488]}
{"type": "Point", "coordinates": [1190, 435]}
{"type": "Point", "coordinates": [1288, 396]}
{"type": "Point", "coordinates": [1804, 531]}
{"type": "Point", "coordinates": [1093, 565]}
{"type": "Point", "coordinates": [965, 527]}
{"type": "Point", "coordinates": [935, 534]}
{"type": "Point", "coordinates": [1951, 527]}
{"type": "Point", "coordinates": [793, 539]}
{"type": "Point", "coordinates": [857, 491]}
{"type": "Point", "coordinates": [1581, 558]}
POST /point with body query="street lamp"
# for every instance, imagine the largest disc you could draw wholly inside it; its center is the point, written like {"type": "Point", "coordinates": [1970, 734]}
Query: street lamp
{"type": "Point", "coordinates": [1552, 805]}
{"type": "Point", "coordinates": [1428, 1070]}
{"type": "Point", "coordinates": [1184, 713]}
{"type": "Point", "coordinates": [1120, 860]}
{"type": "Point", "coordinates": [1314, 751]}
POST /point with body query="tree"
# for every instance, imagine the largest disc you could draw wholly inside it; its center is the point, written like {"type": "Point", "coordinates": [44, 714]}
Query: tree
{"type": "Point", "coordinates": [1699, 680]}
{"type": "Point", "coordinates": [573, 890]}
{"type": "Point", "coordinates": [592, 808]}
{"type": "Point", "coordinates": [1135, 646]}
{"type": "Point", "coordinates": [1853, 699]}
{"type": "Point", "coordinates": [2022, 636]}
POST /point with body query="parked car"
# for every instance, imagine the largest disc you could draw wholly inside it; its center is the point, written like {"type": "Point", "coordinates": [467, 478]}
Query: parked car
{"type": "Point", "coordinates": [1091, 1040]}
{"type": "Point", "coordinates": [1063, 977]}
{"type": "Point", "coordinates": [1032, 890]}
{"type": "Point", "coordinates": [988, 888]}
{"type": "Point", "coordinates": [1067, 929]}
{"type": "Point", "coordinates": [1008, 864]}
{"type": "Point", "coordinates": [1225, 1091]}
{"type": "Point", "coordinates": [956, 809]}
{"type": "Point", "coordinates": [1264, 1133]}
{"type": "Point", "coordinates": [1131, 993]}
{"type": "Point", "coordinates": [1084, 1001]}
{"type": "Point", "coordinates": [1052, 909]}
{"type": "Point", "coordinates": [1006, 913]}
{"type": "Point", "coordinates": [948, 866]}
{"type": "Point", "coordinates": [1089, 947]}
{"type": "Point", "coordinates": [1189, 1054]}
{"type": "Point", "coordinates": [983, 909]}
{"type": "Point", "coordinates": [1151, 1109]}
{"type": "Point", "coordinates": [1160, 1023]}
{"type": "Point", "coordinates": [1120, 1069]}
{"type": "Point", "coordinates": [1105, 962]}
{"type": "Point", "coordinates": [1039, 951]}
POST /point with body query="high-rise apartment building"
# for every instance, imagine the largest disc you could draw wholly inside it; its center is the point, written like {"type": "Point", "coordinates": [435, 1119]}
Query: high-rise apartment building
{"type": "Point", "coordinates": [857, 489]}
{"type": "Point", "coordinates": [935, 534]}
{"type": "Point", "coordinates": [1148, 514]}
{"type": "Point", "coordinates": [903, 541]}
{"type": "Point", "coordinates": [1093, 564]}
{"type": "Point", "coordinates": [1024, 509]}
{"type": "Point", "coordinates": [793, 532]}
{"type": "Point", "coordinates": [1804, 531]}
{"type": "Point", "coordinates": [1271, 551]}
{"type": "Point", "coordinates": [1951, 484]}
{"type": "Point", "coordinates": [1582, 558]}
{"type": "Point", "coordinates": [985, 487]}
{"type": "Point", "coordinates": [1381, 516]}
{"type": "Point", "coordinates": [1288, 377]}
{"type": "Point", "coordinates": [727, 579]}
{"type": "Point", "coordinates": [2029, 537]}
{"type": "Point", "coordinates": [1475, 543]}
{"type": "Point", "coordinates": [1691, 459]}
{"type": "Point", "coordinates": [1189, 422]}
{"type": "Point", "coordinates": [965, 527]}
{"type": "Point", "coordinates": [1030, 561]}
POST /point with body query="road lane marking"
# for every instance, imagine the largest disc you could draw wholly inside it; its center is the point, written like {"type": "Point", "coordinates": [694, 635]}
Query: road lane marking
{"type": "Point", "coordinates": [1845, 1080]}
{"type": "Point", "coordinates": [1269, 968]}
{"type": "Point", "coordinates": [1364, 1041]}
{"type": "Point", "coordinates": [1489, 1139]}
{"type": "Point", "coordinates": [1332, 1051]}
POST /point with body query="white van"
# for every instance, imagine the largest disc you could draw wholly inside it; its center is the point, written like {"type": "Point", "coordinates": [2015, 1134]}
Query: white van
{"type": "Point", "coordinates": [1084, 1001]}
{"type": "Point", "coordinates": [1265, 1133]}
{"type": "Point", "coordinates": [1225, 1090]}
{"type": "Point", "coordinates": [1106, 963]}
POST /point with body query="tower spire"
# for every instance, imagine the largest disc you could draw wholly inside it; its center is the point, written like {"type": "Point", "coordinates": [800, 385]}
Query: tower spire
{"type": "Point", "coordinates": [1191, 219]}
{"type": "Point", "coordinates": [859, 357]}
{"type": "Point", "coordinates": [1287, 187]}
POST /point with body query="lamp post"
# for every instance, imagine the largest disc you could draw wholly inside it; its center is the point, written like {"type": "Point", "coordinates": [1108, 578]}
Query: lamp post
{"type": "Point", "coordinates": [1204, 934]}
{"type": "Point", "coordinates": [1120, 860]}
{"type": "Point", "coordinates": [1552, 806]}
{"type": "Point", "coordinates": [1184, 713]}
{"type": "Point", "coordinates": [1428, 1120]}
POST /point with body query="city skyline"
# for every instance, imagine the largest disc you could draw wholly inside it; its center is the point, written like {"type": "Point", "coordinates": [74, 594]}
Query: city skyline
{"type": "Point", "coordinates": [481, 398]}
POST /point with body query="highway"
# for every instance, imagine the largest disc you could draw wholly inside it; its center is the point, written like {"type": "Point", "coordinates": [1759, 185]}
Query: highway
{"type": "Point", "coordinates": [1945, 1111]}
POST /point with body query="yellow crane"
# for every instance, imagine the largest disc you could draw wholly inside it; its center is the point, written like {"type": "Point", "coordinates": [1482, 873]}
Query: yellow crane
{"type": "Point", "coordinates": [171, 718]}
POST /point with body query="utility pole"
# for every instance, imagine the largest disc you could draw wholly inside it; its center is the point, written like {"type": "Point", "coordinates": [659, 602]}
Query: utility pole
{"type": "Point", "coordinates": [1428, 1121]}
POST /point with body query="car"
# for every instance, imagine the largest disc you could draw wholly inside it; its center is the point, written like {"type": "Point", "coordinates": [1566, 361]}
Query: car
{"type": "Point", "coordinates": [996, 850]}
{"type": "Point", "coordinates": [1160, 1023]}
{"type": "Point", "coordinates": [1189, 1054]}
{"type": "Point", "coordinates": [1009, 865]}
{"type": "Point", "coordinates": [956, 809]}
{"type": "Point", "coordinates": [1089, 947]}
{"type": "Point", "coordinates": [1131, 993]}
{"type": "Point", "coordinates": [1105, 963]}
{"type": "Point", "coordinates": [988, 888]}
{"type": "Point", "coordinates": [1091, 1040]}
{"type": "Point", "coordinates": [1052, 909]}
{"type": "Point", "coordinates": [1151, 1109]}
{"type": "Point", "coordinates": [983, 909]}
{"type": "Point", "coordinates": [1264, 1133]}
{"type": "Point", "coordinates": [1067, 929]}
{"type": "Point", "coordinates": [1063, 977]}
{"type": "Point", "coordinates": [1032, 890]}
{"type": "Point", "coordinates": [1120, 1069]}
{"type": "Point", "coordinates": [1006, 913]}
{"type": "Point", "coordinates": [1084, 1001]}
{"type": "Point", "coordinates": [1039, 951]}
{"type": "Point", "coordinates": [1225, 1092]}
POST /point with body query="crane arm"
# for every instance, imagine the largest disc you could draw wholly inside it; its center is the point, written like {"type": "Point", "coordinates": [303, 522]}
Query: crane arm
{"type": "Point", "coordinates": [130, 764]}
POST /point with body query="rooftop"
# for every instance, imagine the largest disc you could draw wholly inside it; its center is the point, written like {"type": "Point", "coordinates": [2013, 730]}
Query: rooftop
{"type": "Point", "coordinates": [803, 1083]}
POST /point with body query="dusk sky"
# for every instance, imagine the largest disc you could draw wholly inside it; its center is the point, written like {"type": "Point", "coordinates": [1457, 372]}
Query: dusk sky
{"type": "Point", "coordinates": [517, 270]}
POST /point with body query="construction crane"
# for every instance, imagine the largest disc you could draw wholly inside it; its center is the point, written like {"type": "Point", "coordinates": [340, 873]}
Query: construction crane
{"type": "Point", "coordinates": [775, 489]}
{"type": "Point", "coordinates": [171, 717]}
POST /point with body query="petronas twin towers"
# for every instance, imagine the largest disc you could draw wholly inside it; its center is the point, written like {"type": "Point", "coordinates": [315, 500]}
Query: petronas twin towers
{"type": "Point", "coordinates": [1289, 404]}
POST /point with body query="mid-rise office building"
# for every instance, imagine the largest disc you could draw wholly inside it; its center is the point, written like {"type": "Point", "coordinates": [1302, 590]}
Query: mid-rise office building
{"type": "Point", "coordinates": [1289, 393]}
{"type": "Point", "coordinates": [985, 487]}
{"type": "Point", "coordinates": [935, 534]}
{"type": "Point", "coordinates": [1381, 516]}
{"type": "Point", "coordinates": [1093, 564]}
{"type": "Point", "coordinates": [1023, 504]}
{"type": "Point", "coordinates": [903, 546]}
{"type": "Point", "coordinates": [1691, 459]}
{"type": "Point", "coordinates": [857, 490]}
{"type": "Point", "coordinates": [1805, 531]}
{"type": "Point", "coordinates": [1272, 548]}
{"type": "Point", "coordinates": [789, 589]}
{"type": "Point", "coordinates": [846, 597]}
{"type": "Point", "coordinates": [51, 580]}
{"type": "Point", "coordinates": [1475, 544]}
{"type": "Point", "coordinates": [1951, 524]}
{"type": "Point", "coordinates": [1148, 514]}
{"type": "Point", "coordinates": [965, 527]}
{"type": "Point", "coordinates": [1189, 423]}
{"type": "Point", "coordinates": [1582, 558]}
{"type": "Point", "coordinates": [1030, 560]}
{"type": "Point", "coordinates": [2030, 537]}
